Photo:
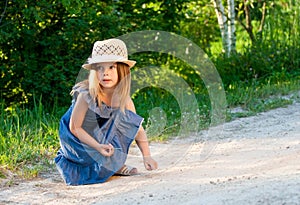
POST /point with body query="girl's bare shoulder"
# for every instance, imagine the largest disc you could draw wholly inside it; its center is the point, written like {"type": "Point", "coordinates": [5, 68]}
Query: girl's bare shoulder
{"type": "Point", "coordinates": [130, 104]}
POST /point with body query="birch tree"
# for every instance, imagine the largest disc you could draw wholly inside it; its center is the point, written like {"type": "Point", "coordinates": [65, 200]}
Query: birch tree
{"type": "Point", "coordinates": [226, 20]}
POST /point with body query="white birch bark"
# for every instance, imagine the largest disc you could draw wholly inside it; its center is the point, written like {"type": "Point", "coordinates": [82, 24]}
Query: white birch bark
{"type": "Point", "coordinates": [222, 20]}
{"type": "Point", "coordinates": [227, 25]}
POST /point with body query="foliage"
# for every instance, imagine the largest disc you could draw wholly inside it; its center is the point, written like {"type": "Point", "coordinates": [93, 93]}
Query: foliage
{"type": "Point", "coordinates": [43, 44]}
{"type": "Point", "coordinates": [43, 47]}
{"type": "Point", "coordinates": [200, 24]}
{"type": "Point", "coordinates": [259, 63]}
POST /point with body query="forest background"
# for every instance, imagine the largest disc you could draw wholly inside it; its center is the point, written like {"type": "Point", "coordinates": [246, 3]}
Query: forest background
{"type": "Point", "coordinates": [44, 43]}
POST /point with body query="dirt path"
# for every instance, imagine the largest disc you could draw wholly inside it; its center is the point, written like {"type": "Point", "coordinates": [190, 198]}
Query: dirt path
{"type": "Point", "coordinates": [256, 160]}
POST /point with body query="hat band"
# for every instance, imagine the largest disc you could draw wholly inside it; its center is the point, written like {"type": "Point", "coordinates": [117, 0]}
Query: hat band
{"type": "Point", "coordinates": [106, 58]}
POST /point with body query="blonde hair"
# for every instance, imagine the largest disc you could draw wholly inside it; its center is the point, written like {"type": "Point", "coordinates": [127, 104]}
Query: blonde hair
{"type": "Point", "coordinates": [122, 90]}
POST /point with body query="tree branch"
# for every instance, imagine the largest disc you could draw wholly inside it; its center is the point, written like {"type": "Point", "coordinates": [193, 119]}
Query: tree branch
{"type": "Point", "coordinates": [2, 15]}
{"type": "Point", "coordinates": [262, 22]}
{"type": "Point", "coordinates": [249, 27]}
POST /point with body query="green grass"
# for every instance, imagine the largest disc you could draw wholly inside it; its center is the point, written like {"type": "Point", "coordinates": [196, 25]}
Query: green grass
{"type": "Point", "coordinates": [29, 138]}
{"type": "Point", "coordinates": [260, 97]}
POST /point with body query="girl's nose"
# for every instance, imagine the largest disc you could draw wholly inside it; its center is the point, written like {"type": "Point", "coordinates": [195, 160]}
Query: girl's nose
{"type": "Point", "coordinates": [105, 71]}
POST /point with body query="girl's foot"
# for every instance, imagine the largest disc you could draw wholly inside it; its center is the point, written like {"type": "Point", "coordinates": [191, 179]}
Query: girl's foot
{"type": "Point", "coordinates": [126, 171]}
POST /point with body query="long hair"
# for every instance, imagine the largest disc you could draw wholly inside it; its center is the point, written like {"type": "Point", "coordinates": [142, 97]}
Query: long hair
{"type": "Point", "coordinates": [121, 92]}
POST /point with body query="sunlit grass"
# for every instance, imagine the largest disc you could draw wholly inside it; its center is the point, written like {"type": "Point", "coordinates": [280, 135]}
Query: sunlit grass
{"type": "Point", "coordinates": [28, 139]}
{"type": "Point", "coordinates": [260, 97]}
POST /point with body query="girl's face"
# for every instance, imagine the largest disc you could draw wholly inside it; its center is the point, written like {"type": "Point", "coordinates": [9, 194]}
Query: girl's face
{"type": "Point", "coordinates": [107, 74]}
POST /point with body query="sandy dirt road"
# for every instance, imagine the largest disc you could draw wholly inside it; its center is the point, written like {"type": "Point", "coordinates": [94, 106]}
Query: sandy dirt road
{"type": "Point", "coordinates": [256, 160]}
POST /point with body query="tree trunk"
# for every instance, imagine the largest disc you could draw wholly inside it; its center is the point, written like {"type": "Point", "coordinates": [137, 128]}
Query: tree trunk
{"type": "Point", "coordinates": [249, 27]}
{"type": "Point", "coordinates": [222, 20]}
{"type": "Point", "coordinates": [227, 25]}
{"type": "Point", "coordinates": [263, 17]}
{"type": "Point", "coordinates": [262, 21]}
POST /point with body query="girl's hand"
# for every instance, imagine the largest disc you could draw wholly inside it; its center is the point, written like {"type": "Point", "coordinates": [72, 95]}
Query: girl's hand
{"type": "Point", "coordinates": [106, 150]}
{"type": "Point", "coordinates": [150, 164]}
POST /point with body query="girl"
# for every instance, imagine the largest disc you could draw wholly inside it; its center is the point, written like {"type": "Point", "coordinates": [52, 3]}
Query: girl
{"type": "Point", "coordinates": [97, 130]}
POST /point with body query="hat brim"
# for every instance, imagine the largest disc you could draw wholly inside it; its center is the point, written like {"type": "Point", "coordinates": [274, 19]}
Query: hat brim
{"type": "Point", "coordinates": [103, 59]}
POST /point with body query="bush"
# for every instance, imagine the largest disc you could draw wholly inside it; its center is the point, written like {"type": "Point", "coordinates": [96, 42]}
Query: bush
{"type": "Point", "coordinates": [260, 62]}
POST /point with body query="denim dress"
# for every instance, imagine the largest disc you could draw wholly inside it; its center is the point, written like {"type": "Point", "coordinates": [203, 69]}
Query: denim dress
{"type": "Point", "coordinates": [78, 163]}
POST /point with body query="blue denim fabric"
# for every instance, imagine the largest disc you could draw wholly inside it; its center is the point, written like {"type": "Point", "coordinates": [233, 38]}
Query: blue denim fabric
{"type": "Point", "coordinates": [79, 163]}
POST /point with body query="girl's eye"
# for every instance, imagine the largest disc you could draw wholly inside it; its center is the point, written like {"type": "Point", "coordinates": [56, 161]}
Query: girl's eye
{"type": "Point", "coordinates": [113, 67]}
{"type": "Point", "coordinates": [98, 67]}
{"type": "Point", "coordinates": [101, 68]}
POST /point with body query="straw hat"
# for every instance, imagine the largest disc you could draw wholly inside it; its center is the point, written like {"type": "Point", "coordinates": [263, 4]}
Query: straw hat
{"type": "Point", "coordinates": [111, 50]}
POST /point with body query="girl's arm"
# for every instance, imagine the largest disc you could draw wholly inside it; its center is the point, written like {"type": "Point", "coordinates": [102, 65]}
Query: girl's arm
{"type": "Point", "coordinates": [75, 125]}
{"type": "Point", "coordinates": [142, 142]}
